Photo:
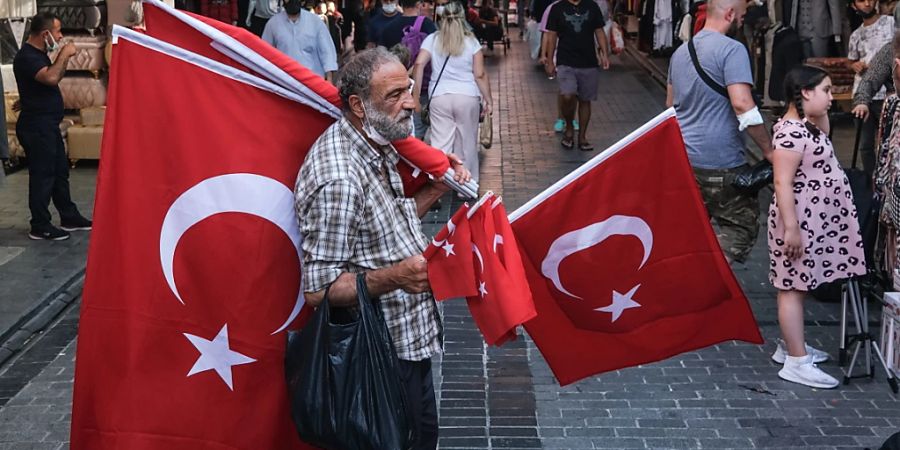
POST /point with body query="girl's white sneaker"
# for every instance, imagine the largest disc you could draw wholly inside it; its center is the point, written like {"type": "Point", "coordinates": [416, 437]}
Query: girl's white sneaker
{"type": "Point", "coordinates": [802, 370]}
{"type": "Point", "coordinates": [819, 356]}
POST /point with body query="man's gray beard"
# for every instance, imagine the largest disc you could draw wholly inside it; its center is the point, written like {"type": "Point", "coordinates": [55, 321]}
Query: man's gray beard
{"type": "Point", "coordinates": [390, 128]}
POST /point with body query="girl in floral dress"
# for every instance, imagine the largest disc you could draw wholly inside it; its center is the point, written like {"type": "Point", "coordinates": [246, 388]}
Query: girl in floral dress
{"type": "Point", "coordinates": [813, 230]}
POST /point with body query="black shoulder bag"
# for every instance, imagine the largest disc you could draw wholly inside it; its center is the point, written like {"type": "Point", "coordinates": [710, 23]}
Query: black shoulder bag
{"type": "Point", "coordinates": [747, 180]}
{"type": "Point", "coordinates": [425, 116]}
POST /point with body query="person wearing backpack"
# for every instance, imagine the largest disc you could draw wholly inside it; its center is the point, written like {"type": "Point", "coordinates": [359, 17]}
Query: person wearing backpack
{"type": "Point", "coordinates": [411, 29]}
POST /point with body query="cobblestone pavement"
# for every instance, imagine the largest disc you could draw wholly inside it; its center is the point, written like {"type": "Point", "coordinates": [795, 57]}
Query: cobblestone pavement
{"type": "Point", "coordinates": [35, 273]}
{"type": "Point", "coordinates": [507, 397]}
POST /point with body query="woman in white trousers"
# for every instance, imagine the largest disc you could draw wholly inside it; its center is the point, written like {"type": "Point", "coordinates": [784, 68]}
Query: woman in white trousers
{"type": "Point", "coordinates": [459, 85]}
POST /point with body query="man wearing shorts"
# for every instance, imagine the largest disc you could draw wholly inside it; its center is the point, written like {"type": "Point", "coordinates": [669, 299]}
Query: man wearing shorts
{"type": "Point", "coordinates": [574, 29]}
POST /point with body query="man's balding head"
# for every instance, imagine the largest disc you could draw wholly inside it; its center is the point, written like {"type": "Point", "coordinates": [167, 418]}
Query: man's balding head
{"type": "Point", "coordinates": [721, 8]}
{"type": "Point", "coordinates": [725, 16]}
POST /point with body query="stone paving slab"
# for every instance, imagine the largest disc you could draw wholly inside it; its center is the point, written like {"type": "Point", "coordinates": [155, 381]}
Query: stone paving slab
{"type": "Point", "coordinates": [33, 272]}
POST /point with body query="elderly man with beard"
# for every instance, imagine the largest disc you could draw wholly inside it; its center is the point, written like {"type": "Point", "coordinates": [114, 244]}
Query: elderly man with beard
{"type": "Point", "coordinates": [355, 218]}
{"type": "Point", "coordinates": [710, 90]}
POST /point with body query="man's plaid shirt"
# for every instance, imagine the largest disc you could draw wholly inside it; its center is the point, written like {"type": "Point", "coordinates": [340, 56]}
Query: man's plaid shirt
{"type": "Point", "coordinates": [354, 217]}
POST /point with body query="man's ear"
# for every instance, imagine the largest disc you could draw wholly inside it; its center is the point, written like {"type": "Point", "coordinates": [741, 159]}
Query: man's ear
{"type": "Point", "coordinates": [356, 106]}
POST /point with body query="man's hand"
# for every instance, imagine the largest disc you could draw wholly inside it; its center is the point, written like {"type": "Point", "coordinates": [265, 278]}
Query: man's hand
{"type": "Point", "coordinates": [604, 61]}
{"type": "Point", "coordinates": [859, 66]}
{"type": "Point", "coordinates": [412, 275]}
{"type": "Point", "coordinates": [550, 68]}
{"type": "Point", "coordinates": [67, 51]}
{"type": "Point", "coordinates": [861, 112]}
{"type": "Point", "coordinates": [462, 175]}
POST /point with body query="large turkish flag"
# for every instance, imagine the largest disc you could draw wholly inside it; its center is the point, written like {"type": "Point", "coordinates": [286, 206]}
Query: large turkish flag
{"type": "Point", "coordinates": [623, 264]}
{"type": "Point", "coordinates": [221, 42]}
{"type": "Point", "coordinates": [193, 270]}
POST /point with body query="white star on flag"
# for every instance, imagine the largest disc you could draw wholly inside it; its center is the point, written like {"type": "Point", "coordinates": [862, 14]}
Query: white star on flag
{"type": "Point", "coordinates": [216, 355]}
{"type": "Point", "coordinates": [621, 303]}
{"type": "Point", "coordinates": [449, 249]}
{"type": "Point", "coordinates": [483, 289]}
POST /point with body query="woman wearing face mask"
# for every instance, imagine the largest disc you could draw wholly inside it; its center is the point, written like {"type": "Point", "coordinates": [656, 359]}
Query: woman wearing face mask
{"type": "Point", "coordinates": [812, 225]}
{"type": "Point", "coordinates": [458, 85]}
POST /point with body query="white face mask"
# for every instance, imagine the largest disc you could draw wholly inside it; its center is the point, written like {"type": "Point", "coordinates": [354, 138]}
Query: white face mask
{"type": "Point", "coordinates": [370, 131]}
{"type": "Point", "coordinates": [389, 8]}
{"type": "Point", "coordinates": [439, 10]}
{"type": "Point", "coordinates": [51, 44]}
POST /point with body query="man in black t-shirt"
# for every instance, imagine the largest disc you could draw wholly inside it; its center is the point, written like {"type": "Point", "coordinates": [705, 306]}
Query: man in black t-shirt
{"type": "Point", "coordinates": [38, 128]}
{"type": "Point", "coordinates": [573, 26]}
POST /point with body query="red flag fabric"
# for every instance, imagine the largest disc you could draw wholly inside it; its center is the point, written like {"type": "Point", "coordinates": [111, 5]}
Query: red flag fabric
{"type": "Point", "coordinates": [193, 268]}
{"type": "Point", "coordinates": [502, 302]}
{"type": "Point", "coordinates": [169, 25]}
{"type": "Point", "coordinates": [449, 256]}
{"type": "Point", "coordinates": [506, 248]}
{"type": "Point", "coordinates": [623, 264]}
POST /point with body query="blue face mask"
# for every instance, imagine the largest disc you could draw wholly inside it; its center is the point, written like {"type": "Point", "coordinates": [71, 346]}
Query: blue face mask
{"type": "Point", "coordinates": [51, 44]}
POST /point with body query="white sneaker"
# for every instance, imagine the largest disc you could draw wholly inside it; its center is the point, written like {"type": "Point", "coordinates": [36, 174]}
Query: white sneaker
{"type": "Point", "coordinates": [819, 356]}
{"type": "Point", "coordinates": [800, 369]}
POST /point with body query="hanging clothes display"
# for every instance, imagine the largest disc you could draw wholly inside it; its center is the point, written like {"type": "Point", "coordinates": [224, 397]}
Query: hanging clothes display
{"type": "Point", "coordinates": [887, 186]}
{"type": "Point", "coordinates": [17, 8]}
{"type": "Point", "coordinates": [221, 10]}
{"type": "Point", "coordinates": [662, 25]}
{"type": "Point", "coordinates": [816, 21]}
{"type": "Point", "coordinates": [13, 32]}
{"type": "Point", "coordinates": [645, 26]}
{"type": "Point", "coordinates": [786, 53]}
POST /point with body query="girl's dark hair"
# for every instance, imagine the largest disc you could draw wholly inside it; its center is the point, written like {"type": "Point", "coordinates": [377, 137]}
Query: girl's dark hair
{"type": "Point", "coordinates": [802, 77]}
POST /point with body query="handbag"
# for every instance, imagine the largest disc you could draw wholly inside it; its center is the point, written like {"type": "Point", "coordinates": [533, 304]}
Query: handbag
{"type": "Point", "coordinates": [425, 115]}
{"type": "Point", "coordinates": [486, 132]}
{"type": "Point", "coordinates": [747, 180]}
{"type": "Point", "coordinates": [344, 381]}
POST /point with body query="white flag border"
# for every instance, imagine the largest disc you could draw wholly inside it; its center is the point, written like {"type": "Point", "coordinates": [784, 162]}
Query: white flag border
{"type": "Point", "coordinates": [205, 63]}
{"type": "Point", "coordinates": [236, 50]}
{"type": "Point", "coordinates": [590, 164]}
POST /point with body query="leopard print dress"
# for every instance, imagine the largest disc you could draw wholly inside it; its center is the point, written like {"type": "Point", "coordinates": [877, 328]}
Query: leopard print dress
{"type": "Point", "coordinates": [832, 246]}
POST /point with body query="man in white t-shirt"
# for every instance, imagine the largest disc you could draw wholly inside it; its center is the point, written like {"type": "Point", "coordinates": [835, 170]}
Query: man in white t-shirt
{"type": "Point", "coordinates": [874, 33]}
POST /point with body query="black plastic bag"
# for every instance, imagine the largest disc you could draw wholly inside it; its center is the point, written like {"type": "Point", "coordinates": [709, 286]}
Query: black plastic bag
{"type": "Point", "coordinates": [750, 180]}
{"type": "Point", "coordinates": [343, 380]}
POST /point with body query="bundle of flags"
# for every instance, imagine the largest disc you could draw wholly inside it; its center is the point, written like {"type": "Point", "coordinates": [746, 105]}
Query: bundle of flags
{"type": "Point", "coordinates": [193, 268]}
{"type": "Point", "coordinates": [476, 256]}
